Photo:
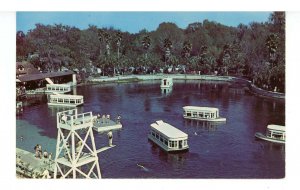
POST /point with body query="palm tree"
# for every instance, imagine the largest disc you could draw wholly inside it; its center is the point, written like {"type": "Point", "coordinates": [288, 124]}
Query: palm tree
{"type": "Point", "coordinates": [146, 42]}
{"type": "Point", "coordinates": [186, 50]}
{"type": "Point", "coordinates": [100, 38]}
{"type": "Point", "coordinates": [272, 46]}
{"type": "Point", "coordinates": [118, 41]}
{"type": "Point", "coordinates": [168, 46]}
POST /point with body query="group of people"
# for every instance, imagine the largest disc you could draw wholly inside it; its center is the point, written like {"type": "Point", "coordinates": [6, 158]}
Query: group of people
{"type": "Point", "coordinates": [106, 118]}
{"type": "Point", "coordinates": [39, 152]}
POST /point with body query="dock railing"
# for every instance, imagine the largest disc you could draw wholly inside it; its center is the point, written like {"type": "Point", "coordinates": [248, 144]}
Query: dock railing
{"type": "Point", "coordinates": [72, 118]}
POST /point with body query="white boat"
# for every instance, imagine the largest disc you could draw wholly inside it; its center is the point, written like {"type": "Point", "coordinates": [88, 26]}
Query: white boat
{"type": "Point", "coordinates": [168, 137]}
{"type": "Point", "coordinates": [274, 133]}
{"type": "Point", "coordinates": [57, 88]}
{"type": "Point", "coordinates": [202, 113]}
{"type": "Point", "coordinates": [65, 100]}
{"type": "Point", "coordinates": [19, 107]}
{"type": "Point", "coordinates": [166, 83]}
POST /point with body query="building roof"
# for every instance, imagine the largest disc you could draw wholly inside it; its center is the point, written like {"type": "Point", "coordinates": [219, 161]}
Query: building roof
{"type": "Point", "coordinates": [168, 130]}
{"type": "Point", "coordinates": [196, 108]}
{"type": "Point", "coordinates": [39, 76]}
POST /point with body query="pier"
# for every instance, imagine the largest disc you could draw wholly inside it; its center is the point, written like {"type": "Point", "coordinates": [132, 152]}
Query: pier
{"type": "Point", "coordinates": [105, 125]}
{"type": "Point", "coordinates": [29, 166]}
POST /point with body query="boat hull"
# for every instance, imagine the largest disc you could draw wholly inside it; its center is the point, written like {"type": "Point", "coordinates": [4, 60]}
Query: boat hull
{"type": "Point", "coordinates": [220, 119]}
{"type": "Point", "coordinates": [56, 92]}
{"type": "Point", "coordinates": [263, 137]}
{"type": "Point", "coordinates": [64, 105]}
{"type": "Point", "coordinates": [165, 148]}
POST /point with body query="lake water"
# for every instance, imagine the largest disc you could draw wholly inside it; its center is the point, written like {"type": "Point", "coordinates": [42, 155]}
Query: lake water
{"type": "Point", "coordinates": [227, 150]}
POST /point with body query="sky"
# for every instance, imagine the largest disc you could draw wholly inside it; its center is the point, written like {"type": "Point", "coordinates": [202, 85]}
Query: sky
{"type": "Point", "coordinates": [133, 22]}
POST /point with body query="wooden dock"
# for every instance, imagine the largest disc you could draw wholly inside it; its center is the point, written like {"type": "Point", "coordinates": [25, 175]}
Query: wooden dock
{"type": "Point", "coordinates": [105, 125]}
{"type": "Point", "coordinates": [28, 166]}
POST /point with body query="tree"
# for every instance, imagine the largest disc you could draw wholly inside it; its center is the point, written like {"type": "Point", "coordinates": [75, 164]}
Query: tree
{"type": "Point", "coordinates": [168, 46]}
{"type": "Point", "coordinates": [146, 42]}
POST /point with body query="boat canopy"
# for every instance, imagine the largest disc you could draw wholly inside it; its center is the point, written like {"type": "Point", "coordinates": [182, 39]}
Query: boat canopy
{"type": "Point", "coordinates": [276, 127]}
{"type": "Point", "coordinates": [202, 109]}
{"type": "Point", "coordinates": [168, 130]}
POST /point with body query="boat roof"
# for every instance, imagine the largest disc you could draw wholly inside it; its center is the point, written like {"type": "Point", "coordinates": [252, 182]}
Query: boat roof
{"type": "Point", "coordinates": [66, 96]}
{"type": "Point", "coordinates": [168, 130]}
{"type": "Point", "coordinates": [197, 108]}
{"type": "Point", "coordinates": [276, 127]}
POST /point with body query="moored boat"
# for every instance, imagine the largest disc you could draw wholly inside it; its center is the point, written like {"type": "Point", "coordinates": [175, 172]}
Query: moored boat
{"type": "Point", "coordinates": [274, 133]}
{"type": "Point", "coordinates": [65, 100]}
{"type": "Point", "coordinates": [57, 88]}
{"type": "Point", "coordinates": [166, 83]}
{"type": "Point", "coordinates": [168, 137]}
{"type": "Point", "coordinates": [202, 113]}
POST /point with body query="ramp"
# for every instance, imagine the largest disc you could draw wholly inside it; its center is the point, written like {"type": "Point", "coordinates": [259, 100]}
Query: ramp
{"type": "Point", "coordinates": [49, 80]}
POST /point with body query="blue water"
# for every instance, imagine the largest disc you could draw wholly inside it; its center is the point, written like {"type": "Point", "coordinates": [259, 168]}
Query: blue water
{"type": "Point", "coordinates": [227, 150]}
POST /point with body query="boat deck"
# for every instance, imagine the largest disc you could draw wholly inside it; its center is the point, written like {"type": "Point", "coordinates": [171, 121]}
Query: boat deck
{"type": "Point", "coordinates": [104, 125]}
{"type": "Point", "coordinates": [28, 165]}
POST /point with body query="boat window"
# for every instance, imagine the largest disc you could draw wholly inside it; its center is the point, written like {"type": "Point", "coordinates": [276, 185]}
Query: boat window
{"type": "Point", "coordinates": [194, 114]}
{"type": "Point", "coordinates": [277, 135]}
{"type": "Point", "coordinates": [175, 143]}
{"type": "Point", "coordinates": [161, 139]}
{"type": "Point", "coordinates": [153, 134]}
{"type": "Point", "coordinates": [189, 114]}
{"type": "Point", "coordinates": [200, 114]}
{"type": "Point", "coordinates": [213, 115]}
{"type": "Point", "coordinates": [156, 135]}
{"type": "Point", "coordinates": [67, 101]}
{"type": "Point", "coordinates": [60, 100]}
{"type": "Point", "coordinates": [166, 142]}
{"type": "Point", "coordinates": [72, 101]}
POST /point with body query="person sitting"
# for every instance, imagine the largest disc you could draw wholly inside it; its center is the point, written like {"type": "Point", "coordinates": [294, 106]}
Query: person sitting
{"type": "Point", "coordinates": [64, 119]}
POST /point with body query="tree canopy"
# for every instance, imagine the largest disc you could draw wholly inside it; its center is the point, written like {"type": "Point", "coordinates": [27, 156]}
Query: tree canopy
{"type": "Point", "coordinates": [255, 51]}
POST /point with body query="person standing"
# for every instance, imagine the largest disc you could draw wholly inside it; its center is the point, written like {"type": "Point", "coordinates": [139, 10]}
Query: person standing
{"type": "Point", "coordinates": [119, 119]}
{"type": "Point", "coordinates": [110, 138]}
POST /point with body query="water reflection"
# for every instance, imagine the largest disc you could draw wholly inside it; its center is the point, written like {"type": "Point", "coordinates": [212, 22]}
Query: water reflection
{"type": "Point", "coordinates": [54, 109]}
{"type": "Point", "coordinates": [166, 91]}
{"type": "Point", "coordinates": [173, 158]}
{"type": "Point", "coordinates": [203, 125]}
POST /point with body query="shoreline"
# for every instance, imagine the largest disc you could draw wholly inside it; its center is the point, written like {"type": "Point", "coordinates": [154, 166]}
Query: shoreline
{"type": "Point", "coordinates": [135, 78]}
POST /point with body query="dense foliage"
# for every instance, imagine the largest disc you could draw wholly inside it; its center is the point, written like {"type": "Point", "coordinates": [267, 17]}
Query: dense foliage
{"type": "Point", "coordinates": [255, 51]}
